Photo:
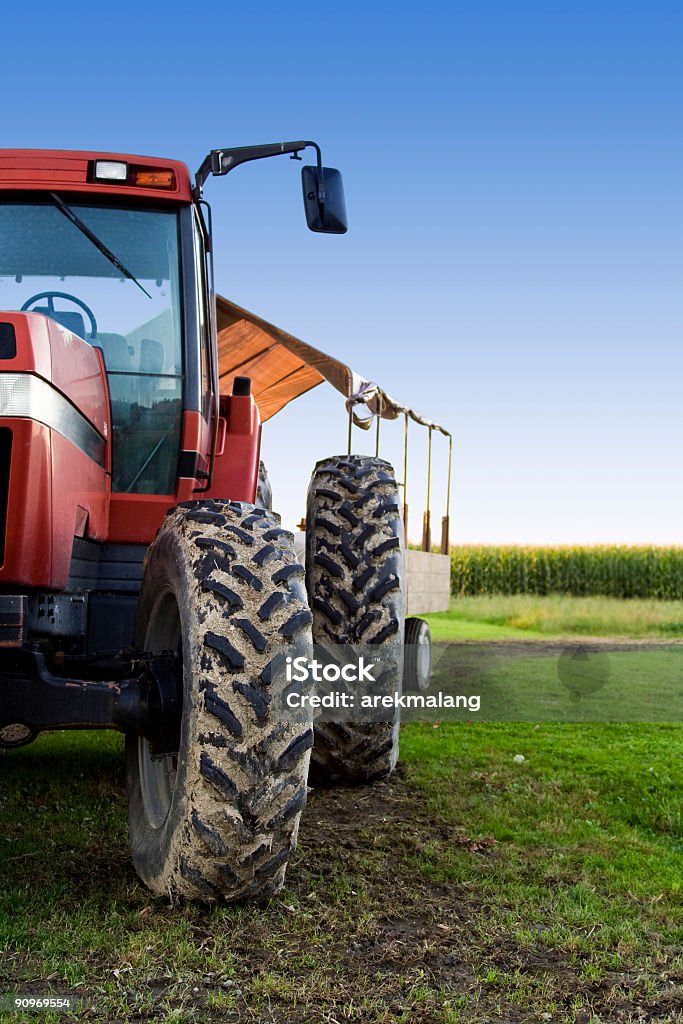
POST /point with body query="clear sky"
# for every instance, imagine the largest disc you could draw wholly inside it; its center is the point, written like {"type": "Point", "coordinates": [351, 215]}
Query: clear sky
{"type": "Point", "coordinates": [513, 265]}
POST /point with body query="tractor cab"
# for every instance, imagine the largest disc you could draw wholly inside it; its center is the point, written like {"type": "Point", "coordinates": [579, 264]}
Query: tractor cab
{"type": "Point", "coordinates": [108, 388]}
{"type": "Point", "coordinates": [115, 250]}
{"type": "Point", "coordinates": [51, 263]}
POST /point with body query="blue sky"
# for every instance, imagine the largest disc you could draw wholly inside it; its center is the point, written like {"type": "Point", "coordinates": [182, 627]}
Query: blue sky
{"type": "Point", "coordinates": [513, 262]}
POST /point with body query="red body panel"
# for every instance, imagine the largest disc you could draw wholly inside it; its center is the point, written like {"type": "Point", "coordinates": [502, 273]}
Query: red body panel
{"type": "Point", "coordinates": [47, 349]}
{"type": "Point", "coordinates": [56, 492]}
{"type": "Point", "coordinates": [135, 518]}
{"type": "Point", "coordinates": [66, 171]}
{"type": "Point", "coordinates": [235, 469]}
{"type": "Point", "coordinates": [28, 542]}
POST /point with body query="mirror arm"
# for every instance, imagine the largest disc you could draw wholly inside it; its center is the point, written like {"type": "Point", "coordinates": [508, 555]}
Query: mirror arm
{"type": "Point", "coordinates": [222, 161]}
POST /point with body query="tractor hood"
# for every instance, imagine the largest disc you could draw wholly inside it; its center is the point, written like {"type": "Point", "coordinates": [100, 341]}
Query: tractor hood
{"type": "Point", "coordinates": [55, 453]}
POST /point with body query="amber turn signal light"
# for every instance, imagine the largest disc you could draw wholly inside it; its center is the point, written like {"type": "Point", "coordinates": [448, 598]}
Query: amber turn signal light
{"type": "Point", "coordinates": [153, 179]}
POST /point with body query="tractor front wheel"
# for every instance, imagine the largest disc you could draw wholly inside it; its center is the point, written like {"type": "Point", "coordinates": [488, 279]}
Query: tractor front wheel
{"type": "Point", "coordinates": [355, 579]}
{"type": "Point", "coordinates": [218, 818]}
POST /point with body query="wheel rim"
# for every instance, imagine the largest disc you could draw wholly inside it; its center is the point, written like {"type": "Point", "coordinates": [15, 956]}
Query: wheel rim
{"type": "Point", "coordinates": [424, 660]}
{"type": "Point", "coordinates": [158, 774]}
{"type": "Point", "coordinates": [157, 782]}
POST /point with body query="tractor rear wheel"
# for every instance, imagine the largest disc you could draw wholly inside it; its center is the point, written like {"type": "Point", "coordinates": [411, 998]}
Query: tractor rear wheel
{"type": "Point", "coordinates": [355, 581]}
{"type": "Point", "coordinates": [218, 819]}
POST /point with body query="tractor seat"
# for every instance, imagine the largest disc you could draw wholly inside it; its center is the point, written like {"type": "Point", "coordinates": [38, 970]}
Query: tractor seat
{"type": "Point", "coordinates": [73, 321]}
{"type": "Point", "coordinates": [151, 356]}
{"type": "Point", "coordinates": [115, 351]}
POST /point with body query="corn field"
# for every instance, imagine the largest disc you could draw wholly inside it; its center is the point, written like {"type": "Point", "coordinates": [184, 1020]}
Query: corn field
{"type": "Point", "coordinates": [612, 571]}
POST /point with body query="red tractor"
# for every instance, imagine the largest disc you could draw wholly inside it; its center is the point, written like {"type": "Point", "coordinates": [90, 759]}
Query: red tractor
{"type": "Point", "coordinates": [140, 587]}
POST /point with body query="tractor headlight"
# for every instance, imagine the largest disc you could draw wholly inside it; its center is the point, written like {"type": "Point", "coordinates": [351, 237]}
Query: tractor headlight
{"type": "Point", "coordinates": [111, 170]}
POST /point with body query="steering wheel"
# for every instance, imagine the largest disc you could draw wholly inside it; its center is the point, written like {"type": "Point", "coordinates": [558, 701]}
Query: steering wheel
{"type": "Point", "coordinates": [51, 296]}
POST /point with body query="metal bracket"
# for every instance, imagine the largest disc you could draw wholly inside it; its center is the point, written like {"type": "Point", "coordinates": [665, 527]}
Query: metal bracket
{"type": "Point", "coordinates": [221, 161]}
{"type": "Point", "coordinates": [145, 700]}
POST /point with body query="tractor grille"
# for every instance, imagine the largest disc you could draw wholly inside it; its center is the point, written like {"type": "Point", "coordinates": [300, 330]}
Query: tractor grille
{"type": "Point", "coordinates": [5, 454]}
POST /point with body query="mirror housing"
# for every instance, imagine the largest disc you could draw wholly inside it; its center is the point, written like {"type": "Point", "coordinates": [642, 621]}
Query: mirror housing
{"type": "Point", "coordinates": [324, 201]}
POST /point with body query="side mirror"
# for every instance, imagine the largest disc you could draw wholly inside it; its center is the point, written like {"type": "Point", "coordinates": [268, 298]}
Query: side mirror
{"type": "Point", "coordinates": [326, 207]}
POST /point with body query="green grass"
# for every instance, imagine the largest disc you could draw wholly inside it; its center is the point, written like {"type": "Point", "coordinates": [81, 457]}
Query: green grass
{"type": "Point", "coordinates": [500, 616]}
{"type": "Point", "coordinates": [513, 652]}
{"type": "Point", "coordinates": [470, 888]}
{"type": "Point", "coordinates": [552, 885]}
{"type": "Point", "coordinates": [588, 832]}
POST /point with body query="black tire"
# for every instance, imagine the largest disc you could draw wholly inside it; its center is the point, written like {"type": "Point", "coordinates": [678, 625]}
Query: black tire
{"type": "Point", "coordinates": [264, 492]}
{"type": "Point", "coordinates": [355, 582]}
{"type": "Point", "coordinates": [222, 586]}
{"type": "Point", "coordinates": [417, 667]}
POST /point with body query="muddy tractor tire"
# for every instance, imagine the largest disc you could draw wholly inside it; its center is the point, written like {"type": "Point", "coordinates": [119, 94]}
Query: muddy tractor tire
{"type": "Point", "coordinates": [355, 581]}
{"type": "Point", "coordinates": [218, 820]}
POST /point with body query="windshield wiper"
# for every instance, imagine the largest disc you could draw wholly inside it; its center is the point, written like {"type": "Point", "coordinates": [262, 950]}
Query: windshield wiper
{"type": "Point", "coordinates": [76, 220]}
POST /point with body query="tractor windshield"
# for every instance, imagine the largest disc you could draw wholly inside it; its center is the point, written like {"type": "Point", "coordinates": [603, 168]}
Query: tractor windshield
{"type": "Point", "coordinates": [49, 265]}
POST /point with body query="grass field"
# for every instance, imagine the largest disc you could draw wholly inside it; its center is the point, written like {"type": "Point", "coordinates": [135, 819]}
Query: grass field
{"type": "Point", "coordinates": [498, 616]}
{"type": "Point", "coordinates": [471, 887]}
{"type": "Point", "coordinates": [624, 658]}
